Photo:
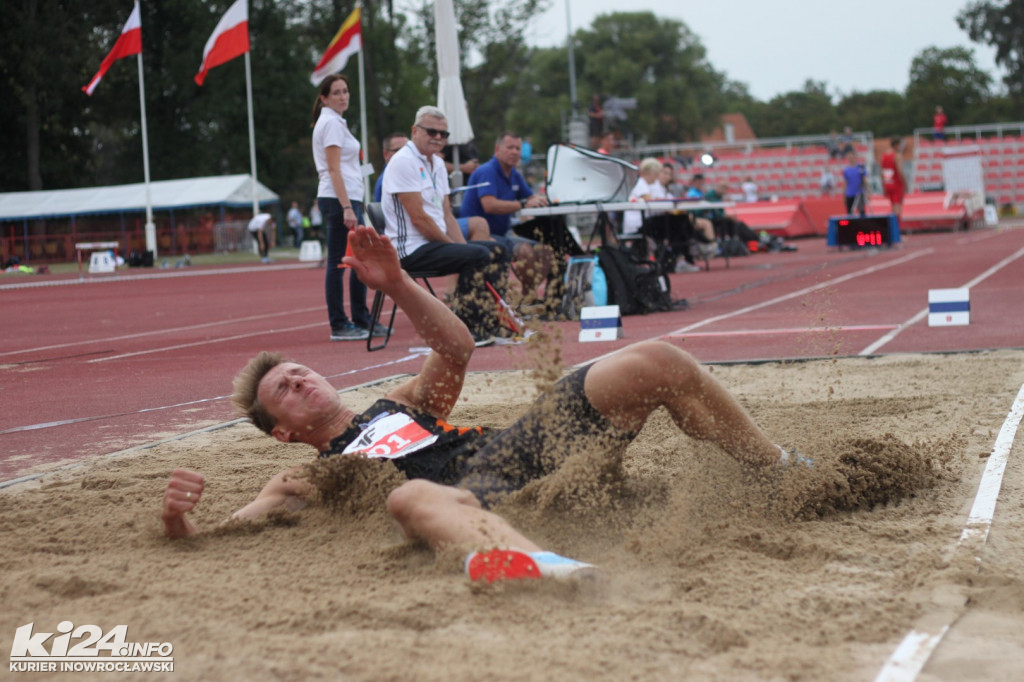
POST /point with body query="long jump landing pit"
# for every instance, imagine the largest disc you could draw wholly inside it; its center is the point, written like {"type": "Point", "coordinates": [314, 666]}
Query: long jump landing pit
{"type": "Point", "coordinates": [711, 573]}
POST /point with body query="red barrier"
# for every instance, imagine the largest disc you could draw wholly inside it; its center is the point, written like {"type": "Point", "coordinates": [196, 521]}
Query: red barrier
{"type": "Point", "coordinates": [785, 218]}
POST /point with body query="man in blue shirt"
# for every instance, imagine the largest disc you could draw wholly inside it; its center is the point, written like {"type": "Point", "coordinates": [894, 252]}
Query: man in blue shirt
{"type": "Point", "coordinates": [505, 192]}
{"type": "Point", "coordinates": [854, 177]}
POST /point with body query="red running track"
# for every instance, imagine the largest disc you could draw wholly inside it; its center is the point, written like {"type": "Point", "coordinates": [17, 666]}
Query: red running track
{"type": "Point", "coordinates": [98, 366]}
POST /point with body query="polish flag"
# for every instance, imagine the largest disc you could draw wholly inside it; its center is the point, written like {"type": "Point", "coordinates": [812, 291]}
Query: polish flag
{"type": "Point", "coordinates": [128, 43]}
{"type": "Point", "coordinates": [346, 43]}
{"type": "Point", "coordinates": [229, 40]}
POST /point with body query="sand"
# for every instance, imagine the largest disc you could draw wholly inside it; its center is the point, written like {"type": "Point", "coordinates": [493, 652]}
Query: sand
{"type": "Point", "coordinates": [709, 573]}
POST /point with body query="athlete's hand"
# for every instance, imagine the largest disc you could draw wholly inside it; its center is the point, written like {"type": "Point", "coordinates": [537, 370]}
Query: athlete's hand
{"type": "Point", "coordinates": [181, 496]}
{"type": "Point", "coordinates": [374, 258]}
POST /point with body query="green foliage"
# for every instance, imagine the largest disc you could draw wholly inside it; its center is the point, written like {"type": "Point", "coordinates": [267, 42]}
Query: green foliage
{"type": "Point", "coordinates": [950, 78]}
{"type": "Point", "coordinates": [883, 112]}
{"type": "Point", "coordinates": [801, 112]}
{"type": "Point", "coordinates": [53, 135]}
{"type": "Point", "coordinates": [1001, 25]}
{"type": "Point", "coordinates": [658, 61]}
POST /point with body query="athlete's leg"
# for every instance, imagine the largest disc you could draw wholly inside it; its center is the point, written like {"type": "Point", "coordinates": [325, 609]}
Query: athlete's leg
{"type": "Point", "coordinates": [629, 385]}
{"type": "Point", "coordinates": [443, 516]}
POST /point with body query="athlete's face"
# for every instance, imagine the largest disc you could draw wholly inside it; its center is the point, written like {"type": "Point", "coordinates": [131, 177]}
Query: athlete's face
{"type": "Point", "coordinates": [298, 398]}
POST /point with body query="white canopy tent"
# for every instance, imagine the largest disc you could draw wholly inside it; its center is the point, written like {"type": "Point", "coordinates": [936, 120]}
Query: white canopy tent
{"type": "Point", "coordinates": [218, 190]}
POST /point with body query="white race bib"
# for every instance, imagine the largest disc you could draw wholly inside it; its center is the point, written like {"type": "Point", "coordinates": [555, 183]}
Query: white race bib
{"type": "Point", "coordinates": [390, 436]}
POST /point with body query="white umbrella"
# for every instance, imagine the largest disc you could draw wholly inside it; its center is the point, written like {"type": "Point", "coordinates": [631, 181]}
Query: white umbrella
{"type": "Point", "coordinates": [450, 97]}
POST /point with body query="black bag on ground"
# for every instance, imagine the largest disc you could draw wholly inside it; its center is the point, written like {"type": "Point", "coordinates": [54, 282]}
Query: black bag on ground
{"type": "Point", "coordinates": [638, 287]}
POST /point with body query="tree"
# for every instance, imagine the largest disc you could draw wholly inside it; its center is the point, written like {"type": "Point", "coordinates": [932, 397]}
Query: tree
{"type": "Point", "coordinates": [42, 129]}
{"type": "Point", "coordinates": [658, 61]}
{"type": "Point", "coordinates": [881, 111]}
{"type": "Point", "coordinates": [1000, 25]}
{"type": "Point", "coordinates": [800, 112]}
{"type": "Point", "coordinates": [950, 78]}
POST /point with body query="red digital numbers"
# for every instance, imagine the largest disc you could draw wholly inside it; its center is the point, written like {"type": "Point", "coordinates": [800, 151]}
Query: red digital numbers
{"type": "Point", "coordinates": [873, 238]}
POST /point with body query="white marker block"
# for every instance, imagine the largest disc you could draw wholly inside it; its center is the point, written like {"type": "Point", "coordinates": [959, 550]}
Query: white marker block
{"type": "Point", "coordinates": [600, 323]}
{"type": "Point", "coordinates": [310, 251]}
{"type": "Point", "coordinates": [949, 307]}
{"type": "Point", "coordinates": [102, 262]}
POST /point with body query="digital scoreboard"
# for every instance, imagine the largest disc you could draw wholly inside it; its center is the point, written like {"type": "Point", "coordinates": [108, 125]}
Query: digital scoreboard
{"type": "Point", "coordinates": [860, 232]}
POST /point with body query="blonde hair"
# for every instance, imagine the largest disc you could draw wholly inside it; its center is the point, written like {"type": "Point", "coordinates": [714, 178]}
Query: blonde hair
{"type": "Point", "coordinates": [650, 164]}
{"type": "Point", "coordinates": [246, 385]}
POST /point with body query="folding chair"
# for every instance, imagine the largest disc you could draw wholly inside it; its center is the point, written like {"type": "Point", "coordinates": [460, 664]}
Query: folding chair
{"type": "Point", "coordinates": [376, 215]}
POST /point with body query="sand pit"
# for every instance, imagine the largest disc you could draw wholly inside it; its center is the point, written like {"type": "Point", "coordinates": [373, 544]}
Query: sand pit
{"type": "Point", "coordinates": [710, 573]}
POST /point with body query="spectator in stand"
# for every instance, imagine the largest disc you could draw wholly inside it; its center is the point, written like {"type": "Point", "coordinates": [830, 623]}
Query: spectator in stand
{"type": "Point", "coordinates": [827, 181]}
{"type": "Point", "coordinates": [295, 223]}
{"type": "Point", "coordinates": [939, 124]}
{"type": "Point", "coordinates": [855, 181]}
{"type": "Point", "coordinates": [497, 191]}
{"type": "Point", "coordinates": [527, 152]}
{"type": "Point", "coordinates": [420, 223]}
{"type": "Point", "coordinates": [846, 142]}
{"type": "Point", "coordinates": [832, 145]}
{"type": "Point", "coordinates": [596, 115]}
{"type": "Point", "coordinates": [340, 197]}
{"type": "Point", "coordinates": [673, 188]}
{"type": "Point", "coordinates": [607, 143]}
{"type": "Point", "coordinates": [894, 183]}
{"type": "Point", "coordinates": [701, 221]}
{"type": "Point", "coordinates": [647, 188]}
{"type": "Point", "coordinates": [749, 188]}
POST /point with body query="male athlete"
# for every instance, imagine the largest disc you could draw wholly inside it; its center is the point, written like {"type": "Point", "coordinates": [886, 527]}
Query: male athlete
{"type": "Point", "coordinates": [456, 472]}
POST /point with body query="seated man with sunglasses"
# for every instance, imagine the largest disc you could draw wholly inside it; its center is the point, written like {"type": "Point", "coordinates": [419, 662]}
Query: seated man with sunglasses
{"type": "Point", "coordinates": [419, 221]}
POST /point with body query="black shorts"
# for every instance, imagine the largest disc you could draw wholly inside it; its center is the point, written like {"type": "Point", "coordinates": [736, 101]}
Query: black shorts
{"type": "Point", "coordinates": [560, 422]}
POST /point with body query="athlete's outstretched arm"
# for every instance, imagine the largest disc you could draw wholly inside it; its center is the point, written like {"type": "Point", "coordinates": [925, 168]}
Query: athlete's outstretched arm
{"type": "Point", "coordinates": [185, 489]}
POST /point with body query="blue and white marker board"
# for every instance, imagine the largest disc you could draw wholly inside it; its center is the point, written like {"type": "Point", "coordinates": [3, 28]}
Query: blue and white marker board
{"type": "Point", "coordinates": [600, 323]}
{"type": "Point", "coordinates": [949, 307]}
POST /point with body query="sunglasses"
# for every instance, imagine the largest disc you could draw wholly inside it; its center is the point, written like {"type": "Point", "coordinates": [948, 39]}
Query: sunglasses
{"type": "Point", "coordinates": [434, 132]}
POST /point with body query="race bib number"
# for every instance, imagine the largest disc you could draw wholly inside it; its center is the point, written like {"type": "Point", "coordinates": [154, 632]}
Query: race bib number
{"type": "Point", "coordinates": [888, 176]}
{"type": "Point", "coordinates": [390, 436]}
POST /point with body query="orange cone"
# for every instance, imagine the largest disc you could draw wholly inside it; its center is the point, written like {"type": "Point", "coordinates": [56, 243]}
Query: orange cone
{"type": "Point", "coordinates": [348, 253]}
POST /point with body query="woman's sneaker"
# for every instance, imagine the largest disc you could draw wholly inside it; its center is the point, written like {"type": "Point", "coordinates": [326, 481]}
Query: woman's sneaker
{"type": "Point", "coordinates": [511, 564]}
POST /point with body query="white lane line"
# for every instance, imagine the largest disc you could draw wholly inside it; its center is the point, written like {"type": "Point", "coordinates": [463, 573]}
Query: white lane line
{"type": "Point", "coordinates": [169, 330]}
{"type": "Point", "coordinates": [917, 647]}
{"type": "Point", "coordinates": [205, 342]}
{"type": "Point", "coordinates": [785, 297]}
{"type": "Point", "coordinates": [980, 519]}
{"type": "Point", "coordinates": [793, 330]}
{"type": "Point", "coordinates": [65, 422]}
{"type": "Point", "coordinates": [177, 272]}
{"type": "Point", "coordinates": [920, 315]}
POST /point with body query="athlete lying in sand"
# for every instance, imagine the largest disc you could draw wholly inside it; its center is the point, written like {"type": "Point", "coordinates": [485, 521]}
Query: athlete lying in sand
{"type": "Point", "coordinates": [456, 472]}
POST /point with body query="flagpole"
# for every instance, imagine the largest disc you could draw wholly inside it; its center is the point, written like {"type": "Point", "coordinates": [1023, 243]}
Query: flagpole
{"type": "Point", "coordinates": [252, 135]}
{"type": "Point", "coordinates": [150, 226]}
{"type": "Point", "coordinates": [367, 195]}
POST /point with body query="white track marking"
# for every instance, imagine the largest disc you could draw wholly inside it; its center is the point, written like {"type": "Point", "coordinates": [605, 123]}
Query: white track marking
{"type": "Point", "coordinates": [917, 647]}
{"type": "Point", "coordinates": [205, 342]}
{"type": "Point", "coordinates": [169, 330]}
{"type": "Point", "coordinates": [920, 315]}
{"type": "Point", "coordinates": [785, 297]}
{"type": "Point", "coordinates": [65, 422]}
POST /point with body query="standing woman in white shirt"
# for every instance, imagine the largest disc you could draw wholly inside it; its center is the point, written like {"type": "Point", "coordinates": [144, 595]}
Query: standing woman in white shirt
{"type": "Point", "coordinates": [340, 199]}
